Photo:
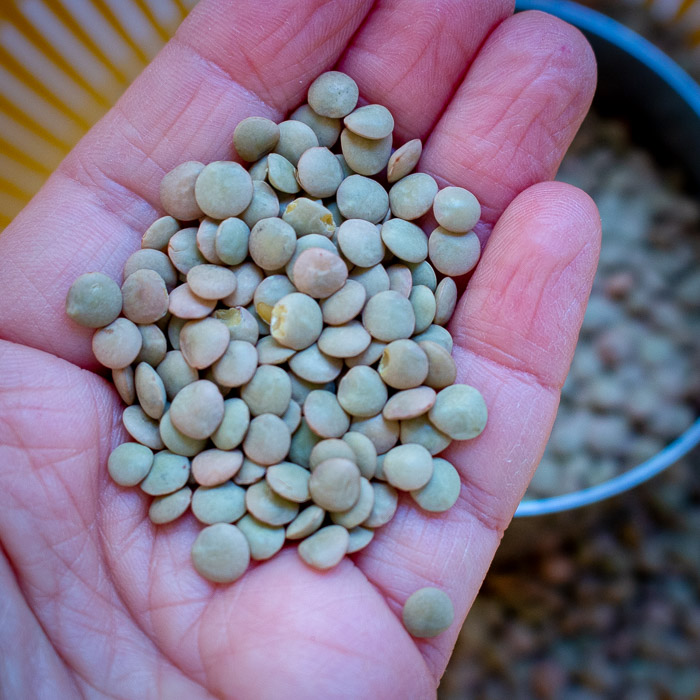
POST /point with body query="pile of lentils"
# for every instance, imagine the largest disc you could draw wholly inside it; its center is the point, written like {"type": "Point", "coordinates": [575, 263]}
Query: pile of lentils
{"type": "Point", "coordinates": [634, 383]}
{"type": "Point", "coordinates": [280, 343]}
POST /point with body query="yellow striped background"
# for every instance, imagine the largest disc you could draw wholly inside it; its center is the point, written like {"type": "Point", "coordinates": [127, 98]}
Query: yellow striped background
{"type": "Point", "coordinates": [63, 63]}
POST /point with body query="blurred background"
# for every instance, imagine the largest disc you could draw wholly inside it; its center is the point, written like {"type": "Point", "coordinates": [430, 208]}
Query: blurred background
{"type": "Point", "coordinates": [600, 602]}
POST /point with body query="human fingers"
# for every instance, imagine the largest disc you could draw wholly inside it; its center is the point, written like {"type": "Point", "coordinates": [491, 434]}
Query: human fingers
{"type": "Point", "coordinates": [410, 56]}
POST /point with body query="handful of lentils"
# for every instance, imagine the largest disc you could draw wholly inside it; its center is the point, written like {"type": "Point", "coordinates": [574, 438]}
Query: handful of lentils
{"type": "Point", "coordinates": [279, 341]}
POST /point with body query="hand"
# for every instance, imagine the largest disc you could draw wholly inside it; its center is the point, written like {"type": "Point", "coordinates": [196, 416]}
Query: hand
{"type": "Point", "coordinates": [98, 602]}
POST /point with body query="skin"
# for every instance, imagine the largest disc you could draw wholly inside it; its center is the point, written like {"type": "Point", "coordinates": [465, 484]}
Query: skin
{"type": "Point", "coordinates": [96, 601]}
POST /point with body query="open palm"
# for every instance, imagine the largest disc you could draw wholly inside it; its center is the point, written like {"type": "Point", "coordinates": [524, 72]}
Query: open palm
{"type": "Point", "coordinates": [98, 602]}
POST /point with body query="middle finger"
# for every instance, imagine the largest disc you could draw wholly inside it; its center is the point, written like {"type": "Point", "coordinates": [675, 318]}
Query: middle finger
{"type": "Point", "coordinates": [411, 55]}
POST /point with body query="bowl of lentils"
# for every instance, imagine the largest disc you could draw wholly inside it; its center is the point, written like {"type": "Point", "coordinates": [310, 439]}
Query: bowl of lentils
{"type": "Point", "coordinates": [630, 406]}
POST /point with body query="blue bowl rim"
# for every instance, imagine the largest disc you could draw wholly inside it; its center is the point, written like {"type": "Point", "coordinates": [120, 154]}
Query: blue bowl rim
{"type": "Point", "coordinates": [668, 70]}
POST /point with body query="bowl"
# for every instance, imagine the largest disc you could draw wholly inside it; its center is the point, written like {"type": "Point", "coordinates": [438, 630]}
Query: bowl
{"type": "Point", "coordinates": [661, 103]}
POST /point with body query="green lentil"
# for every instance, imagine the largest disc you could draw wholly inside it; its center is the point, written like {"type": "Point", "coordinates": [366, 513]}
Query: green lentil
{"type": "Point", "coordinates": [412, 196]}
{"type": "Point", "coordinates": [370, 122]}
{"type": "Point", "coordinates": [302, 443]}
{"type": "Point", "coordinates": [327, 129]}
{"type": "Point", "coordinates": [445, 300]}
{"type": "Point", "coordinates": [388, 316]}
{"type": "Point", "coordinates": [453, 254]}
{"type": "Point", "coordinates": [296, 321]}
{"type": "Point", "coordinates": [347, 340]}
{"type": "Point", "coordinates": [456, 209]}
{"type": "Point", "coordinates": [409, 403]}
{"type": "Point", "coordinates": [221, 553]}
{"type": "Point", "coordinates": [263, 205]}
{"type": "Point", "coordinates": [295, 139]}
{"type": "Point", "coordinates": [319, 172]}
{"type": "Point", "coordinates": [325, 548]}
{"type": "Point", "coordinates": [281, 174]}
{"type": "Point", "coordinates": [420, 431]}
{"type": "Point", "coordinates": [436, 334]}
{"type": "Point", "coordinates": [169, 473]}
{"type": "Point", "coordinates": [183, 255]}
{"type": "Point", "coordinates": [424, 307]}
{"type": "Point", "coordinates": [360, 197]}
{"type": "Point", "coordinates": [405, 240]}
{"type": "Point", "coordinates": [249, 473]}
{"type": "Point", "coordinates": [129, 463]}
{"type": "Point", "coordinates": [206, 240]}
{"type": "Point", "coordinates": [324, 415]}
{"type": "Point", "coordinates": [264, 540]}
{"type": "Point", "coordinates": [319, 273]}
{"type": "Point", "coordinates": [361, 242]}
{"type": "Point", "coordinates": [268, 507]}
{"type": "Point", "coordinates": [270, 352]}
{"type": "Point", "coordinates": [423, 273]}
{"type": "Point", "coordinates": [257, 444]}
{"type": "Point", "coordinates": [408, 467]}
{"type": "Point", "coordinates": [383, 433]}
{"type": "Point", "coordinates": [386, 501]}
{"type": "Point", "coordinates": [459, 412]}
{"type": "Point", "coordinates": [124, 383]}
{"type": "Point", "coordinates": [184, 303]}
{"type": "Point", "coordinates": [403, 160]}
{"type": "Point", "coordinates": [306, 523]}
{"type": "Point", "coordinates": [150, 390]}
{"type": "Point", "coordinates": [400, 279]}
{"type": "Point", "coordinates": [404, 365]}
{"type": "Point", "coordinates": [224, 503]}
{"type": "Point", "coordinates": [365, 156]}
{"type": "Point", "coordinates": [203, 342]}
{"type": "Point", "coordinates": [289, 480]}
{"type": "Point", "coordinates": [175, 373]}
{"type": "Point", "coordinates": [374, 279]}
{"type": "Point", "coordinates": [211, 281]}
{"type": "Point", "coordinates": [306, 216]}
{"type": "Point", "coordinates": [328, 449]}
{"type": "Point", "coordinates": [360, 511]}
{"type": "Point", "coordinates": [176, 441]}
{"type": "Point", "coordinates": [272, 243]}
{"type": "Point", "coordinates": [94, 300]}
{"type": "Point", "coordinates": [442, 370]}
{"type": "Point", "coordinates": [292, 416]}
{"type": "Point", "coordinates": [231, 243]}
{"type": "Point", "coordinates": [222, 189]}
{"type": "Point", "coordinates": [373, 352]}
{"type": "Point", "coordinates": [165, 509]}
{"type": "Point", "coordinates": [177, 191]}
{"type": "Point", "coordinates": [427, 613]}
{"type": "Point", "coordinates": [335, 484]}
{"type": "Point", "coordinates": [361, 392]}
{"type": "Point", "coordinates": [197, 409]}
{"type": "Point", "coordinates": [159, 233]}
{"type": "Point", "coordinates": [359, 538]}
{"type": "Point", "coordinates": [255, 137]}
{"type": "Point", "coordinates": [365, 452]}
{"type": "Point", "coordinates": [268, 391]}
{"type": "Point", "coordinates": [118, 344]}
{"type": "Point", "coordinates": [345, 304]}
{"type": "Point", "coordinates": [333, 94]}
{"type": "Point", "coordinates": [154, 346]}
{"type": "Point", "coordinates": [213, 467]}
{"type": "Point", "coordinates": [442, 491]}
